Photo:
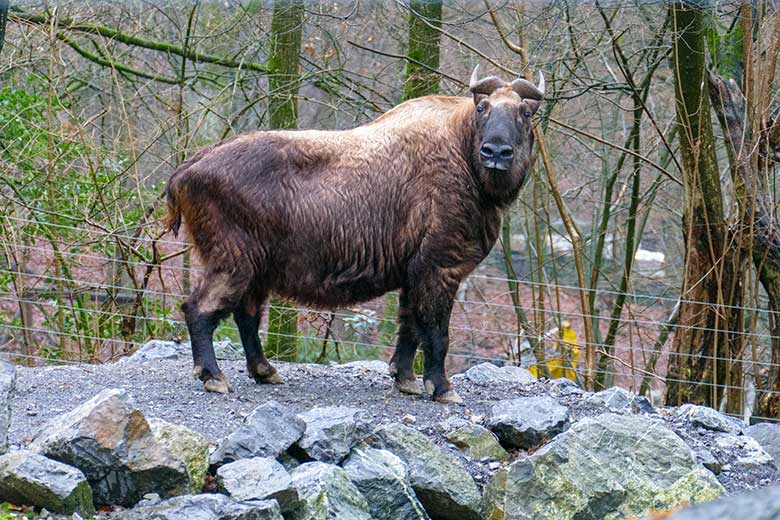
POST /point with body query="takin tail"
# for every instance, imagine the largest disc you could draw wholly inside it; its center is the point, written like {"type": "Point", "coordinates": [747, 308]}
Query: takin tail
{"type": "Point", "coordinates": [173, 191]}
{"type": "Point", "coordinates": [172, 220]}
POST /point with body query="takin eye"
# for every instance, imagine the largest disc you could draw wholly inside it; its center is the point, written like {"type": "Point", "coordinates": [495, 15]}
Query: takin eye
{"type": "Point", "coordinates": [527, 114]}
{"type": "Point", "coordinates": [480, 109]}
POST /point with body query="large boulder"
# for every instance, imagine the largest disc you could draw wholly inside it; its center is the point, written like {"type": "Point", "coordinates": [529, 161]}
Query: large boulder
{"type": "Point", "coordinates": [608, 467]}
{"type": "Point", "coordinates": [187, 446]}
{"type": "Point", "coordinates": [527, 421]}
{"type": "Point", "coordinates": [27, 478]}
{"type": "Point", "coordinates": [760, 504]}
{"type": "Point", "coordinates": [384, 480]}
{"type": "Point", "coordinates": [7, 389]}
{"type": "Point", "coordinates": [332, 431]}
{"type": "Point", "coordinates": [266, 432]}
{"type": "Point", "coordinates": [259, 478]}
{"type": "Point", "coordinates": [326, 493]}
{"type": "Point", "coordinates": [768, 436]}
{"type": "Point", "coordinates": [114, 446]}
{"type": "Point", "coordinates": [488, 374]}
{"type": "Point", "coordinates": [441, 482]}
{"type": "Point", "coordinates": [203, 507]}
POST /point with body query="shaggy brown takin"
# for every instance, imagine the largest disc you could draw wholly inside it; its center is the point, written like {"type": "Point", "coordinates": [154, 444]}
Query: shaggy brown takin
{"type": "Point", "coordinates": [411, 201]}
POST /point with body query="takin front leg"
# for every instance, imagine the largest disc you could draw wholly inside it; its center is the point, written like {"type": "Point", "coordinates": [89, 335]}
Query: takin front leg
{"type": "Point", "coordinates": [402, 362]}
{"type": "Point", "coordinates": [432, 302]}
{"type": "Point", "coordinates": [247, 318]}
{"type": "Point", "coordinates": [203, 310]}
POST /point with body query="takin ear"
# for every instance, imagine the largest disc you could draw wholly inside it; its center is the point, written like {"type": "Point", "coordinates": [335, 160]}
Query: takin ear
{"type": "Point", "coordinates": [533, 105]}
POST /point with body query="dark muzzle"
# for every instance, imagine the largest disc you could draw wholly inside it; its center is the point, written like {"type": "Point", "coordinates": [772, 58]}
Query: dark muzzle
{"type": "Point", "coordinates": [496, 156]}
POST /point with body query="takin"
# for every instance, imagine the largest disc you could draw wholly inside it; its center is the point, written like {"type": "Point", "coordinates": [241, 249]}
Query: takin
{"type": "Point", "coordinates": [411, 201]}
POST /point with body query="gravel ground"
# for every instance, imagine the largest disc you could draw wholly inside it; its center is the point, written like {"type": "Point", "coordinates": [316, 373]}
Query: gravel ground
{"type": "Point", "coordinates": [166, 390]}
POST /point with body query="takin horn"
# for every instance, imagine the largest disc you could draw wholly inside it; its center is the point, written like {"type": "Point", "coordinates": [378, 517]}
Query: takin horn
{"type": "Point", "coordinates": [527, 90]}
{"type": "Point", "coordinates": [484, 86]}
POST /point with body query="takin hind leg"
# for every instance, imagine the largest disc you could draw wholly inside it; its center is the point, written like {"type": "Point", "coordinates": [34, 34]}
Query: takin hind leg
{"type": "Point", "coordinates": [203, 310]}
{"type": "Point", "coordinates": [402, 362]}
{"type": "Point", "coordinates": [247, 316]}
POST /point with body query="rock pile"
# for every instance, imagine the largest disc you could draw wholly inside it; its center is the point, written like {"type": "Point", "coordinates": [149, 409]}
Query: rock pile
{"type": "Point", "coordinates": [548, 450]}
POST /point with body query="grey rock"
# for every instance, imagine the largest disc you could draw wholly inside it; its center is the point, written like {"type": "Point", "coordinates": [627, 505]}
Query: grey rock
{"type": "Point", "coordinates": [372, 365]}
{"type": "Point", "coordinates": [527, 421]}
{"type": "Point", "coordinates": [708, 460]}
{"type": "Point", "coordinates": [768, 436]}
{"type": "Point", "coordinates": [326, 493]}
{"type": "Point", "coordinates": [707, 418]}
{"type": "Point", "coordinates": [226, 350]}
{"type": "Point", "coordinates": [259, 478]}
{"type": "Point", "coordinates": [642, 404]}
{"type": "Point", "coordinates": [113, 445]}
{"type": "Point", "coordinates": [27, 478]}
{"type": "Point", "coordinates": [488, 374]}
{"type": "Point", "coordinates": [332, 431]}
{"type": "Point", "coordinates": [760, 504]}
{"type": "Point", "coordinates": [384, 480]}
{"type": "Point", "coordinates": [620, 400]}
{"type": "Point", "coordinates": [607, 467]}
{"type": "Point", "coordinates": [442, 484]}
{"type": "Point", "coordinates": [561, 387]}
{"type": "Point", "coordinates": [742, 450]}
{"type": "Point", "coordinates": [203, 507]}
{"type": "Point", "coordinates": [266, 432]}
{"type": "Point", "coordinates": [617, 399]}
{"type": "Point", "coordinates": [7, 389]}
{"type": "Point", "coordinates": [156, 350]}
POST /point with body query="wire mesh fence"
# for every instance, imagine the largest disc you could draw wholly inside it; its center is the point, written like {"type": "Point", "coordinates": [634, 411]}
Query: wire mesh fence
{"type": "Point", "coordinates": [68, 300]}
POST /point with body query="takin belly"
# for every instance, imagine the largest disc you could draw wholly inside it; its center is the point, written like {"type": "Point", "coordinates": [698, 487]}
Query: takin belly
{"type": "Point", "coordinates": [329, 279]}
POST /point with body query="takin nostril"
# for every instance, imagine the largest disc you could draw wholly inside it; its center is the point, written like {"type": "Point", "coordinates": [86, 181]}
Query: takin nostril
{"type": "Point", "coordinates": [487, 150]}
{"type": "Point", "coordinates": [506, 152]}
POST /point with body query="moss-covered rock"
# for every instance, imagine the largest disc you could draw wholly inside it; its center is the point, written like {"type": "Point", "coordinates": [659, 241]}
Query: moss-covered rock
{"type": "Point", "coordinates": [326, 493]}
{"type": "Point", "coordinates": [477, 442]}
{"type": "Point", "coordinates": [187, 446]}
{"type": "Point", "coordinates": [383, 478]}
{"type": "Point", "coordinates": [27, 478]}
{"type": "Point", "coordinates": [607, 467]}
{"type": "Point", "coordinates": [441, 482]}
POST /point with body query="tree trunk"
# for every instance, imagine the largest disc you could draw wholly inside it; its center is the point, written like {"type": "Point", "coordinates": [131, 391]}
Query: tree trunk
{"type": "Point", "coordinates": [757, 221]}
{"type": "Point", "coordinates": [283, 78]}
{"type": "Point", "coordinates": [703, 347]}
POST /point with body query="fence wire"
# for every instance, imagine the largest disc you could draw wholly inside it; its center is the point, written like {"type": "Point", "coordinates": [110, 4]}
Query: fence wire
{"type": "Point", "coordinates": [92, 295]}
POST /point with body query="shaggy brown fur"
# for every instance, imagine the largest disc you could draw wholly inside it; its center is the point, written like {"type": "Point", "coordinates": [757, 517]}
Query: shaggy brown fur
{"type": "Point", "coordinates": [333, 218]}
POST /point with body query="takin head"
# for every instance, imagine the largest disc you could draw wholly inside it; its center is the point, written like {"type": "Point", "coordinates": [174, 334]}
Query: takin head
{"type": "Point", "coordinates": [504, 130]}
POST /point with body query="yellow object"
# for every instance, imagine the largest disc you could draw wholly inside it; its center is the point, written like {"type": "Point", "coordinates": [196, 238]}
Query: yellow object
{"type": "Point", "coordinates": [563, 356]}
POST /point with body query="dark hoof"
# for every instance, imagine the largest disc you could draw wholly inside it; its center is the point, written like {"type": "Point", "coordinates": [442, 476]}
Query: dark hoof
{"type": "Point", "coordinates": [220, 386]}
{"type": "Point", "coordinates": [408, 386]}
{"type": "Point", "coordinates": [450, 397]}
{"type": "Point", "coordinates": [273, 379]}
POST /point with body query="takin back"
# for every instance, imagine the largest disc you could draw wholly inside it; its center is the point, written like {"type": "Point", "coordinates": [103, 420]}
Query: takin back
{"type": "Point", "coordinates": [410, 201]}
